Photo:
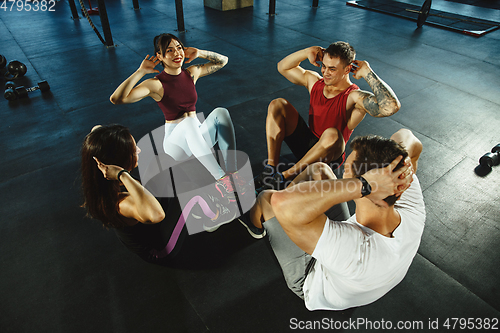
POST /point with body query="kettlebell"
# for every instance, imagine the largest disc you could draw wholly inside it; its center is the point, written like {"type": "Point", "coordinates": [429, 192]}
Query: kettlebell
{"type": "Point", "coordinates": [16, 69]}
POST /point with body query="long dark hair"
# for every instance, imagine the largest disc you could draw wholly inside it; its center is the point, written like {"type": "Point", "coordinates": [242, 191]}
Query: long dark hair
{"type": "Point", "coordinates": [161, 43]}
{"type": "Point", "coordinates": [112, 144]}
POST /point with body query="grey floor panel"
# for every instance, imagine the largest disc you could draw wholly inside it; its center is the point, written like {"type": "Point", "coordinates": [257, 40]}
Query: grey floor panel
{"type": "Point", "coordinates": [451, 117]}
{"type": "Point", "coordinates": [463, 228]}
{"type": "Point", "coordinates": [415, 300]}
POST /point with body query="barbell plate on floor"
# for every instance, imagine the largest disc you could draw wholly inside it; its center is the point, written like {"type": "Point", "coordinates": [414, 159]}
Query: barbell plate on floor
{"type": "Point", "coordinates": [424, 13]}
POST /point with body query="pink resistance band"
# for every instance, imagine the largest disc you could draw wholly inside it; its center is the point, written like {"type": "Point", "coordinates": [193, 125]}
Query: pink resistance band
{"type": "Point", "coordinates": [180, 224]}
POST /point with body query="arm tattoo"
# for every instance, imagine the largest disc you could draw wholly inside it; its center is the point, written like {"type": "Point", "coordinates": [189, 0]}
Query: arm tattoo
{"type": "Point", "coordinates": [215, 58]}
{"type": "Point", "coordinates": [370, 103]}
{"type": "Point", "coordinates": [212, 69]}
{"type": "Point", "coordinates": [217, 61]}
{"type": "Point", "coordinates": [383, 102]}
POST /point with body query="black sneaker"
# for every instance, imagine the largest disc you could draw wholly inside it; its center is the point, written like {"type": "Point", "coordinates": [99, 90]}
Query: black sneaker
{"type": "Point", "coordinates": [252, 230]}
{"type": "Point", "coordinates": [223, 214]}
{"type": "Point", "coordinates": [267, 181]}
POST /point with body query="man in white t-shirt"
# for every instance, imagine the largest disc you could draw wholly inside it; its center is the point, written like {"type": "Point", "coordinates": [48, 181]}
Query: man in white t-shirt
{"type": "Point", "coordinates": [338, 262]}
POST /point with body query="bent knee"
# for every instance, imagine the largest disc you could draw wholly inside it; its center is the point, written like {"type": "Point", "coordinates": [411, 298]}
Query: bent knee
{"type": "Point", "coordinates": [402, 134]}
{"type": "Point", "coordinates": [320, 171]}
{"type": "Point", "coordinates": [221, 112]}
{"type": "Point", "coordinates": [406, 135]}
{"type": "Point", "coordinates": [277, 201]}
{"type": "Point", "coordinates": [277, 105]}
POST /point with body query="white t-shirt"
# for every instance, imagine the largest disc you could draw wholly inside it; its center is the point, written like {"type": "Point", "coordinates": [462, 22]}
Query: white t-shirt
{"type": "Point", "coordinates": [356, 265]}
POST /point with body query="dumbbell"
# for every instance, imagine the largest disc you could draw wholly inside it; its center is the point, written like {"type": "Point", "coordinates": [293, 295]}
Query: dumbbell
{"type": "Point", "coordinates": [22, 92]}
{"type": "Point", "coordinates": [11, 93]}
{"type": "Point", "coordinates": [3, 61]}
{"type": "Point", "coordinates": [16, 69]}
{"type": "Point", "coordinates": [491, 159]}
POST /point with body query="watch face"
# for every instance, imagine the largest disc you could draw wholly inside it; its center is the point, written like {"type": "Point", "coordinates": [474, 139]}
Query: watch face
{"type": "Point", "coordinates": [365, 191]}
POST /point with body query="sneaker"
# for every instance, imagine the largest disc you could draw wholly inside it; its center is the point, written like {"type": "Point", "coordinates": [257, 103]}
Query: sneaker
{"type": "Point", "coordinates": [240, 183]}
{"type": "Point", "coordinates": [223, 214]}
{"type": "Point", "coordinates": [226, 188]}
{"type": "Point", "coordinates": [266, 181]}
{"type": "Point", "coordinates": [252, 230]}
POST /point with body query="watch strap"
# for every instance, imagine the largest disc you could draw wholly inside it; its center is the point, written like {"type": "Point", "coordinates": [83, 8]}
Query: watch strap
{"type": "Point", "coordinates": [366, 189]}
{"type": "Point", "coordinates": [120, 173]}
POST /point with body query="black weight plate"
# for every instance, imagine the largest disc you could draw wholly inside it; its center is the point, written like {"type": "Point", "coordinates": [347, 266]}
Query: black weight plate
{"type": "Point", "coordinates": [424, 12]}
{"type": "Point", "coordinates": [44, 86]}
{"type": "Point", "coordinates": [22, 92]}
{"type": "Point", "coordinates": [10, 85]}
{"type": "Point", "coordinates": [3, 61]}
{"type": "Point", "coordinates": [10, 94]}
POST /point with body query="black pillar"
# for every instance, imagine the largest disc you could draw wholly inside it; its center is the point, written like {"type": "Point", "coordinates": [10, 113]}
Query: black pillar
{"type": "Point", "coordinates": [180, 15]}
{"type": "Point", "coordinates": [136, 4]}
{"type": "Point", "coordinates": [103, 14]}
{"type": "Point", "coordinates": [315, 3]}
{"type": "Point", "coordinates": [74, 12]}
{"type": "Point", "coordinates": [272, 7]}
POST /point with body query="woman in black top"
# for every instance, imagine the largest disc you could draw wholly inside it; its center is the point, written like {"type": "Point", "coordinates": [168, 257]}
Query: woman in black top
{"type": "Point", "coordinates": [119, 201]}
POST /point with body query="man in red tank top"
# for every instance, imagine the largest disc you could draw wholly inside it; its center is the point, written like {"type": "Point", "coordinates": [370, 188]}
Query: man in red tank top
{"type": "Point", "coordinates": [336, 107]}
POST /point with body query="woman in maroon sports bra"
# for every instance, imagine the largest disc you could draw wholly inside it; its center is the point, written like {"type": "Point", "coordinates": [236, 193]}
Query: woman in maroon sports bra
{"type": "Point", "coordinates": [174, 91]}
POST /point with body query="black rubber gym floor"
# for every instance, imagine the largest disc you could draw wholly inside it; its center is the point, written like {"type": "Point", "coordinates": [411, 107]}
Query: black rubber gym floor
{"type": "Point", "coordinates": [61, 272]}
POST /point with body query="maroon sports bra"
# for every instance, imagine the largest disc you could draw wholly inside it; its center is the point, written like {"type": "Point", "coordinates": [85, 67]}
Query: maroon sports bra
{"type": "Point", "coordinates": [179, 94]}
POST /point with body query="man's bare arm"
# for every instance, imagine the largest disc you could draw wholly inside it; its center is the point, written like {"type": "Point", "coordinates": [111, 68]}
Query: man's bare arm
{"type": "Point", "coordinates": [383, 102]}
{"type": "Point", "coordinates": [299, 208]}
{"type": "Point", "coordinates": [290, 68]}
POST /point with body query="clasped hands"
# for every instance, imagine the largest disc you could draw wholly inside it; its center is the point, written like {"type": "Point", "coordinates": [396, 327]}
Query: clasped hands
{"type": "Point", "coordinates": [386, 182]}
{"type": "Point", "coordinates": [359, 68]}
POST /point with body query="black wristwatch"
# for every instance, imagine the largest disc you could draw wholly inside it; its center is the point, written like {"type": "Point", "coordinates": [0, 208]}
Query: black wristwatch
{"type": "Point", "coordinates": [366, 189]}
{"type": "Point", "coordinates": [120, 173]}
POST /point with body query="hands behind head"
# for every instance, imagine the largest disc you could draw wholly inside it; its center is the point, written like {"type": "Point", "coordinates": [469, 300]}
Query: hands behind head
{"type": "Point", "coordinates": [406, 175]}
{"type": "Point", "coordinates": [190, 53]}
{"type": "Point", "coordinates": [110, 172]}
{"type": "Point", "coordinates": [360, 69]}
{"type": "Point", "coordinates": [149, 63]}
{"type": "Point", "coordinates": [315, 55]}
{"type": "Point", "coordinates": [386, 182]}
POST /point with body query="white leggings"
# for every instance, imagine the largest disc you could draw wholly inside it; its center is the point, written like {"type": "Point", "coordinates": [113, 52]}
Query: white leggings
{"type": "Point", "coordinates": [190, 137]}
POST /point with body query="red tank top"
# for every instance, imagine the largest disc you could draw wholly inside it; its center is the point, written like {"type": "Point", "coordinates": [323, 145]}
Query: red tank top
{"type": "Point", "coordinates": [179, 94]}
{"type": "Point", "coordinates": [329, 112]}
